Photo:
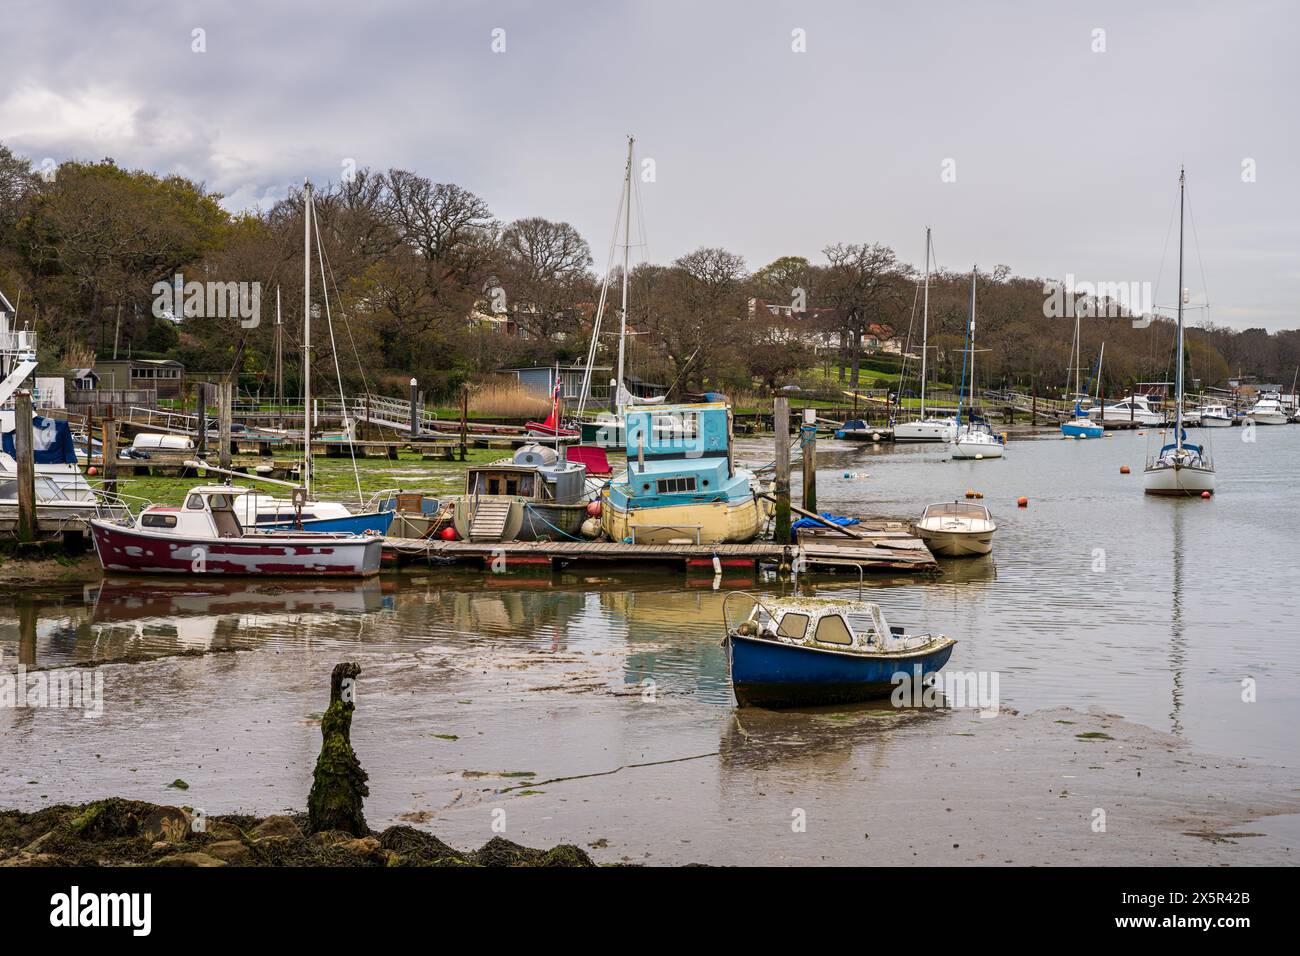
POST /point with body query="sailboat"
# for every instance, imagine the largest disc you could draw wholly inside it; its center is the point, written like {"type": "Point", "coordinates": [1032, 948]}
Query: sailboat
{"type": "Point", "coordinates": [926, 428]}
{"type": "Point", "coordinates": [975, 439]}
{"type": "Point", "coordinates": [608, 430]}
{"type": "Point", "coordinates": [256, 509]}
{"type": "Point", "coordinates": [1080, 425]}
{"type": "Point", "coordinates": [1179, 467]}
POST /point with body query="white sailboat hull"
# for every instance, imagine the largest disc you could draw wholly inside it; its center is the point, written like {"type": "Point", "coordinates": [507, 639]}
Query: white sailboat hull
{"type": "Point", "coordinates": [935, 430]}
{"type": "Point", "coordinates": [1161, 479]}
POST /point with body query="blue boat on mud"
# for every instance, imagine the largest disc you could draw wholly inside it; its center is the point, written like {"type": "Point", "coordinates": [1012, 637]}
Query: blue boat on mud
{"type": "Point", "coordinates": [809, 652]}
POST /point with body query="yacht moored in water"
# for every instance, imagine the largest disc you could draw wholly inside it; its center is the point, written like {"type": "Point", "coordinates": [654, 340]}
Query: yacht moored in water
{"type": "Point", "coordinates": [1267, 411]}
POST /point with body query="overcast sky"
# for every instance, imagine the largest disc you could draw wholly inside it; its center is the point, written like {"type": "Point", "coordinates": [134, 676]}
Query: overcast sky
{"type": "Point", "coordinates": [1066, 160]}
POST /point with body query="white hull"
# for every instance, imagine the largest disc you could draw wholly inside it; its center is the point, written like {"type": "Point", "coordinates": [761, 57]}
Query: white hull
{"type": "Point", "coordinates": [929, 430]}
{"type": "Point", "coordinates": [976, 449]}
{"type": "Point", "coordinates": [1210, 421]}
{"type": "Point", "coordinates": [1267, 418]}
{"type": "Point", "coordinates": [1185, 480]}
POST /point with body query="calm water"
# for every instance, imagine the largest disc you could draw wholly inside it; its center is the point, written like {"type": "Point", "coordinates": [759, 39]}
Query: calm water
{"type": "Point", "coordinates": [1096, 595]}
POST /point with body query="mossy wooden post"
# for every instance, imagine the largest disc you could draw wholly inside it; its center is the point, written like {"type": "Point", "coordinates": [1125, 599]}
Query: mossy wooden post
{"type": "Point", "coordinates": [24, 451]}
{"type": "Point", "coordinates": [781, 423]}
{"type": "Point", "coordinates": [339, 784]}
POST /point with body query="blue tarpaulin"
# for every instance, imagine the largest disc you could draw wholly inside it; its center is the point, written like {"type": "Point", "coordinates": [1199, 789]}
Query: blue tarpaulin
{"type": "Point", "coordinates": [51, 442]}
{"type": "Point", "coordinates": [832, 518]}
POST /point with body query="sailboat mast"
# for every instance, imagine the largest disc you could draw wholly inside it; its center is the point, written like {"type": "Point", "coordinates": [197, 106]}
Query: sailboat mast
{"type": "Point", "coordinates": [279, 360]}
{"type": "Point", "coordinates": [627, 246]}
{"type": "Point", "coordinates": [925, 319]}
{"type": "Point", "coordinates": [306, 337]}
{"type": "Point", "coordinates": [973, 273]}
{"type": "Point", "coordinates": [1178, 378]}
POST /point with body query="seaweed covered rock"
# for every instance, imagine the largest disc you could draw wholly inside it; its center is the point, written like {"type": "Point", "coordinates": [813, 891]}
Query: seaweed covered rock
{"type": "Point", "coordinates": [418, 848]}
{"type": "Point", "coordinates": [566, 854]}
{"type": "Point", "coordinates": [339, 786]}
{"type": "Point", "coordinates": [502, 852]}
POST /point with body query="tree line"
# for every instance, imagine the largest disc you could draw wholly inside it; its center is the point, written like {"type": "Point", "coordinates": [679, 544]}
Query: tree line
{"type": "Point", "coordinates": [422, 279]}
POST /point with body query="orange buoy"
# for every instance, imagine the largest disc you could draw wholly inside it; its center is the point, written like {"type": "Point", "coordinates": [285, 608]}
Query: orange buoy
{"type": "Point", "coordinates": [92, 471]}
{"type": "Point", "coordinates": [1123, 469]}
{"type": "Point", "coordinates": [979, 494]}
{"type": "Point", "coordinates": [1023, 502]}
{"type": "Point", "coordinates": [970, 493]}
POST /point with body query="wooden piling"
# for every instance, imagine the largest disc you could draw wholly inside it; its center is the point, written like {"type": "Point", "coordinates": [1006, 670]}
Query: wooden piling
{"type": "Point", "coordinates": [225, 402]}
{"type": "Point", "coordinates": [464, 420]}
{"type": "Point", "coordinates": [24, 452]}
{"type": "Point", "coordinates": [201, 422]}
{"type": "Point", "coordinates": [415, 409]}
{"type": "Point", "coordinates": [781, 423]}
{"type": "Point", "coordinates": [808, 446]}
{"type": "Point", "coordinates": [108, 449]}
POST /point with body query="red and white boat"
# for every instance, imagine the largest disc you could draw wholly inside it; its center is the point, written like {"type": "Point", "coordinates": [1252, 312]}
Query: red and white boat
{"type": "Point", "coordinates": [204, 537]}
{"type": "Point", "coordinates": [551, 428]}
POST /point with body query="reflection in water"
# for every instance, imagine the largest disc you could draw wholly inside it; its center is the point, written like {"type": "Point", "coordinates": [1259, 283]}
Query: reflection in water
{"type": "Point", "coordinates": [1177, 648]}
{"type": "Point", "coordinates": [1058, 625]}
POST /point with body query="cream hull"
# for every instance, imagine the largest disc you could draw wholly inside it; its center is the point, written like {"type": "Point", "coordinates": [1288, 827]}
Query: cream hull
{"type": "Point", "coordinates": [715, 522]}
{"type": "Point", "coordinates": [1213, 421]}
{"type": "Point", "coordinates": [972, 539]}
{"type": "Point", "coordinates": [1185, 480]}
{"type": "Point", "coordinates": [1267, 418]}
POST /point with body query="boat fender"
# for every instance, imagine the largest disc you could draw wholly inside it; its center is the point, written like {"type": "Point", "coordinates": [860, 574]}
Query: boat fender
{"type": "Point", "coordinates": [717, 565]}
{"type": "Point", "coordinates": [747, 629]}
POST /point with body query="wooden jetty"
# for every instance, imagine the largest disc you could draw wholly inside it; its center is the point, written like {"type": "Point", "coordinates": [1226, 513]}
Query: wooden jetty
{"type": "Point", "coordinates": [885, 548]}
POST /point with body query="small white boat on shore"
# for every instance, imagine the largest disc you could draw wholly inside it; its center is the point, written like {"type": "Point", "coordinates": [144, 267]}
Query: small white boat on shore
{"type": "Point", "coordinates": [957, 529]}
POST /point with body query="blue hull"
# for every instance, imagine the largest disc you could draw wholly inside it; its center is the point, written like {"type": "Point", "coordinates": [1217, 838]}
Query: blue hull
{"type": "Point", "coordinates": [1071, 430]}
{"type": "Point", "coordinates": [373, 522]}
{"type": "Point", "coordinates": [768, 673]}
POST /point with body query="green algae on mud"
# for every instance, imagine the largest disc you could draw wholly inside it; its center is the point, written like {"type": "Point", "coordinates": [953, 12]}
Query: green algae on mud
{"type": "Point", "coordinates": [113, 832]}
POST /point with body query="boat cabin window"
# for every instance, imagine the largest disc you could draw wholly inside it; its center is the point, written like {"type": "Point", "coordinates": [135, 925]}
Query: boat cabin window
{"type": "Point", "coordinates": [669, 486]}
{"type": "Point", "coordinates": [158, 521]}
{"type": "Point", "coordinates": [832, 630]}
{"type": "Point", "coordinates": [194, 503]}
{"type": "Point", "coordinates": [793, 626]}
{"type": "Point", "coordinates": [503, 483]}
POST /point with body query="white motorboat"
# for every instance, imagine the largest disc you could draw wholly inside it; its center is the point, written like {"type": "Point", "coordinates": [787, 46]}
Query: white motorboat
{"type": "Point", "coordinates": [1179, 467]}
{"type": "Point", "coordinates": [1216, 416]}
{"type": "Point", "coordinates": [1136, 408]}
{"type": "Point", "coordinates": [1267, 411]}
{"type": "Point", "coordinates": [957, 529]}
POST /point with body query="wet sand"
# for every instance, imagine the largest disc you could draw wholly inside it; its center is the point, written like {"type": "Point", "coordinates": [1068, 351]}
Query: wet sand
{"type": "Point", "coordinates": [570, 754]}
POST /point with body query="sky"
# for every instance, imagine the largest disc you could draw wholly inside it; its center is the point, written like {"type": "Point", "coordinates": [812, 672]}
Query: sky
{"type": "Point", "coordinates": [1042, 135]}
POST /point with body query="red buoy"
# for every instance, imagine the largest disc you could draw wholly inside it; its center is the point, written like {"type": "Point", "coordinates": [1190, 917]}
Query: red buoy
{"type": "Point", "coordinates": [1022, 502]}
{"type": "Point", "coordinates": [447, 534]}
{"type": "Point", "coordinates": [92, 471]}
{"type": "Point", "coordinates": [593, 509]}
{"type": "Point", "coordinates": [1123, 469]}
{"type": "Point", "coordinates": [1205, 494]}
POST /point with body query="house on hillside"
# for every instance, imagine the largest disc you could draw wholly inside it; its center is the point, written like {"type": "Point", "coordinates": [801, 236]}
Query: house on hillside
{"type": "Point", "coordinates": [816, 328]}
